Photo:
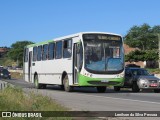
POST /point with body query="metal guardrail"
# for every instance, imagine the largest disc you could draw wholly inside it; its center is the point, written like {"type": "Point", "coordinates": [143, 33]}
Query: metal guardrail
{"type": "Point", "coordinates": [3, 85]}
{"type": "Point", "coordinates": [19, 71]}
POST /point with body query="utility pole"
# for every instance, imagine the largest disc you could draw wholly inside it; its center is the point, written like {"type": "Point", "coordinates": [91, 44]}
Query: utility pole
{"type": "Point", "coordinates": [159, 49]}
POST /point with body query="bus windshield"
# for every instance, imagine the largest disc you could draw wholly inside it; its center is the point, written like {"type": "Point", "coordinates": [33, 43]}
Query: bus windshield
{"type": "Point", "coordinates": [103, 53]}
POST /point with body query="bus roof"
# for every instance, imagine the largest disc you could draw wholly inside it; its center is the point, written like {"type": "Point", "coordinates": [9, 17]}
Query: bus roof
{"type": "Point", "coordinates": [66, 37]}
{"type": "Point", "coordinates": [40, 43]}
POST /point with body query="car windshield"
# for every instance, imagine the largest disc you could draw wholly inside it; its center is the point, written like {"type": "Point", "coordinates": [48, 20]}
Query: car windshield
{"type": "Point", "coordinates": [103, 53]}
{"type": "Point", "coordinates": [4, 71]}
{"type": "Point", "coordinates": [140, 72]}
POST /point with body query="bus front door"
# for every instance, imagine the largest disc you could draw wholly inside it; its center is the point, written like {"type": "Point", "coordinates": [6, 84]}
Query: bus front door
{"type": "Point", "coordinates": [75, 63]}
{"type": "Point", "coordinates": [30, 67]}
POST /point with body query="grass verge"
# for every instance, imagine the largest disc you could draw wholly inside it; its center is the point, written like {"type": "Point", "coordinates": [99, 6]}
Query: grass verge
{"type": "Point", "coordinates": [14, 99]}
{"type": "Point", "coordinates": [16, 75]}
{"type": "Point", "coordinates": [154, 71]}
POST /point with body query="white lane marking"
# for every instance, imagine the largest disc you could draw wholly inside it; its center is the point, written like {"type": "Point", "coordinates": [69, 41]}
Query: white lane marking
{"type": "Point", "coordinates": [117, 98]}
{"type": "Point", "coordinates": [111, 97]}
{"type": "Point", "coordinates": [122, 99]}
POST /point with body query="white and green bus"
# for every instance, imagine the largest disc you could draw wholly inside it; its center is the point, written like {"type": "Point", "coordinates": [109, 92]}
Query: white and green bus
{"type": "Point", "coordinates": [94, 59]}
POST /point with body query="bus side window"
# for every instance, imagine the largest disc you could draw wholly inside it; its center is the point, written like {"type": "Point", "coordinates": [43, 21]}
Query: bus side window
{"type": "Point", "coordinates": [67, 49]}
{"type": "Point", "coordinates": [26, 55]}
{"type": "Point", "coordinates": [45, 52]}
{"type": "Point", "coordinates": [59, 50]}
{"type": "Point", "coordinates": [51, 51]}
{"type": "Point", "coordinates": [34, 53]}
{"type": "Point", "coordinates": [81, 57]}
{"type": "Point", "coordinates": [39, 55]}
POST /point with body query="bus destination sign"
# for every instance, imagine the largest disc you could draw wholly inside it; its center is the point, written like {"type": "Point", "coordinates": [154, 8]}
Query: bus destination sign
{"type": "Point", "coordinates": [108, 37]}
{"type": "Point", "coordinates": [101, 37]}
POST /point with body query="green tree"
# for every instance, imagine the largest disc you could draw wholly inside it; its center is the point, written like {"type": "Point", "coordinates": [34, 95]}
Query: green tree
{"type": "Point", "coordinates": [151, 55]}
{"type": "Point", "coordinates": [143, 37]}
{"type": "Point", "coordinates": [135, 56]}
{"type": "Point", "coordinates": [156, 29]}
{"type": "Point", "coordinates": [16, 51]}
{"type": "Point", "coordinates": [141, 55]}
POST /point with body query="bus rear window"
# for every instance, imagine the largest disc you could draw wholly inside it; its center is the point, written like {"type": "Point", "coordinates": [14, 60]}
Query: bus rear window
{"type": "Point", "coordinates": [26, 55]}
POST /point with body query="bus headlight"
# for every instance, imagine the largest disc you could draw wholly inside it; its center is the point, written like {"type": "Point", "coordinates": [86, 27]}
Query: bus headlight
{"type": "Point", "coordinates": [120, 76]}
{"type": "Point", "coordinates": [87, 74]}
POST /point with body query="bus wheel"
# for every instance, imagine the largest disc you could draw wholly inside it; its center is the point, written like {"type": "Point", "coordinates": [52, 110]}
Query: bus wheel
{"type": "Point", "coordinates": [44, 86]}
{"type": "Point", "coordinates": [135, 87]}
{"type": "Point", "coordinates": [36, 84]}
{"type": "Point", "coordinates": [156, 90]}
{"type": "Point", "coordinates": [67, 87]}
{"type": "Point", "coordinates": [101, 89]}
{"type": "Point", "coordinates": [62, 87]}
{"type": "Point", "coordinates": [117, 88]}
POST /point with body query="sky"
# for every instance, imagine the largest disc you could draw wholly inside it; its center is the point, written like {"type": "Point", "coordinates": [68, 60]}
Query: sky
{"type": "Point", "coordinates": [41, 20]}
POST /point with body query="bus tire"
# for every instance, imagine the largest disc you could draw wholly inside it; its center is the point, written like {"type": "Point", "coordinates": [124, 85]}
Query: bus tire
{"type": "Point", "coordinates": [101, 89]}
{"type": "Point", "coordinates": [36, 83]}
{"type": "Point", "coordinates": [43, 86]}
{"type": "Point", "coordinates": [117, 88]}
{"type": "Point", "coordinates": [62, 87]}
{"type": "Point", "coordinates": [135, 87]}
{"type": "Point", "coordinates": [156, 90]}
{"type": "Point", "coordinates": [67, 87]}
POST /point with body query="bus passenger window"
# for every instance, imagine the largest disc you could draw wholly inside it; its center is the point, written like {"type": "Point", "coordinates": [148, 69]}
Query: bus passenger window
{"type": "Point", "coordinates": [39, 55]}
{"type": "Point", "coordinates": [51, 51]}
{"type": "Point", "coordinates": [81, 57]}
{"type": "Point", "coordinates": [67, 49]}
{"type": "Point", "coordinates": [26, 55]}
{"type": "Point", "coordinates": [34, 53]}
{"type": "Point", "coordinates": [59, 50]}
{"type": "Point", "coordinates": [45, 52]}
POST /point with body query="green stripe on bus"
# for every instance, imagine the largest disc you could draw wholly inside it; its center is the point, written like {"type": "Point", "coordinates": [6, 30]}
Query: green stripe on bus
{"type": "Point", "coordinates": [84, 81]}
{"type": "Point", "coordinates": [40, 43]}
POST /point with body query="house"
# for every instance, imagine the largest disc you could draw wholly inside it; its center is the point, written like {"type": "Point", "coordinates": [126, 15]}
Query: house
{"type": "Point", "coordinates": [3, 51]}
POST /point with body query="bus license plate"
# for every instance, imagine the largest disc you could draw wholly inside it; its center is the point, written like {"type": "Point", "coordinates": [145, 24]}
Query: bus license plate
{"type": "Point", "coordinates": [104, 81]}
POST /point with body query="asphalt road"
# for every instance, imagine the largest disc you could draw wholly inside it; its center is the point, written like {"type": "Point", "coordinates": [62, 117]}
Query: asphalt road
{"type": "Point", "coordinates": [87, 99]}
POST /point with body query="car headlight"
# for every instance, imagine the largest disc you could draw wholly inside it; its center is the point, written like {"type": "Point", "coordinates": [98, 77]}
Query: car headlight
{"type": "Point", "coordinates": [143, 81]}
{"type": "Point", "coordinates": [1, 74]}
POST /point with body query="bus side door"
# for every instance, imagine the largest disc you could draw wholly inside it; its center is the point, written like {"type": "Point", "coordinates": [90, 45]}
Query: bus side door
{"type": "Point", "coordinates": [75, 63]}
{"type": "Point", "coordinates": [30, 67]}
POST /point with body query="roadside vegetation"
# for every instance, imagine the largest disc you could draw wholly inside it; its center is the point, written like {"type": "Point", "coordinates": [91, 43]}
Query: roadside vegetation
{"type": "Point", "coordinates": [154, 71]}
{"type": "Point", "coordinates": [16, 75]}
{"type": "Point", "coordinates": [145, 39]}
{"type": "Point", "coordinates": [14, 99]}
{"type": "Point", "coordinates": [5, 61]}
